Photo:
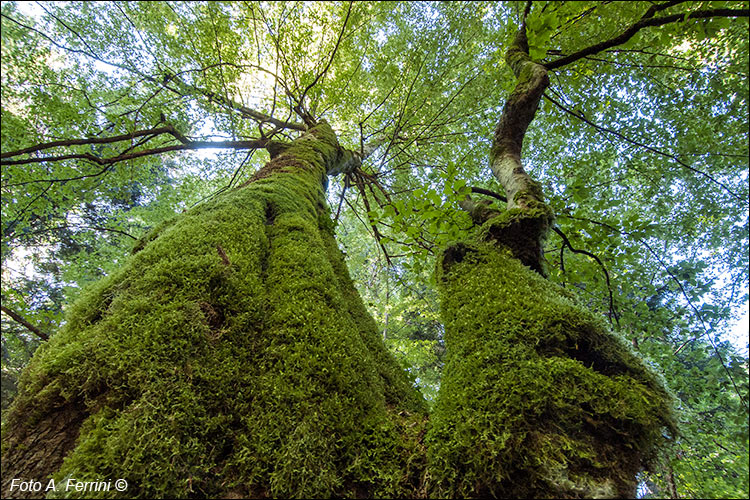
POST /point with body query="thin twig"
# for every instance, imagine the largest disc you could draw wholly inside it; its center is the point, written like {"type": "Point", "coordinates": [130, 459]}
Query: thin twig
{"type": "Point", "coordinates": [581, 117]}
{"type": "Point", "coordinates": [612, 309]}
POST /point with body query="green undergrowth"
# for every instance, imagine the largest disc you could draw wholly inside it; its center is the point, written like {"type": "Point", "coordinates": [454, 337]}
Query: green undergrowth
{"type": "Point", "coordinates": [538, 398]}
{"type": "Point", "coordinates": [232, 357]}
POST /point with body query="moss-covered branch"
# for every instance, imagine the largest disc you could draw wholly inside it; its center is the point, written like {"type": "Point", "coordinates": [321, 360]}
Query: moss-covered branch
{"type": "Point", "coordinates": [519, 111]}
{"type": "Point", "coordinates": [524, 225]}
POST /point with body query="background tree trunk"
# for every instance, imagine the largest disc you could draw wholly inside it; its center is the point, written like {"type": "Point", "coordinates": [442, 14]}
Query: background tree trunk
{"type": "Point", "coordinates": [230, 357]}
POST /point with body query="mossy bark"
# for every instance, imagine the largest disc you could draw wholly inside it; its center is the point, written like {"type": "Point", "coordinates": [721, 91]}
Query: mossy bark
{"type": "Point", "coordinates": [521, 106]}
{"type": "Point", "coordinates": [538, 398]}
{"type": "Point", "coordinates": [230, 357]}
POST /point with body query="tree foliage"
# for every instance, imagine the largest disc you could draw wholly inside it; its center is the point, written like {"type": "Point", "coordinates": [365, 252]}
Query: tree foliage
{"type": "Point", "coordinates": [640, 145]}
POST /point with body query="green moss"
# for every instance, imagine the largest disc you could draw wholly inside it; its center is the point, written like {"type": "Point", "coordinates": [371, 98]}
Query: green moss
{"type": "Point", "coordinates": [152, 234]}
{"type": "Point", "coordinates": [538, 398]}
{"type": "Point", "coordinates": [532, 197]}
{"type": "Point", "coordinates": [521, 230]}
{"type": "Point", "coordinates": [256, 375]}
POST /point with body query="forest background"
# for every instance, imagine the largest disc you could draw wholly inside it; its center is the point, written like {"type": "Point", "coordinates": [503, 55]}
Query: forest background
{"type": "Point", "coordinates": [641, 149]}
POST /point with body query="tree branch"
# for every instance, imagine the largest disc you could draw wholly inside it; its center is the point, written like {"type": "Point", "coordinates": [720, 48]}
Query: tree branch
{"type": "Point", "coordinates": [244, 110]}
{"type": "Point", "coordinates": [644, 146]}
{"type": "Point", "coordinates": [72, 226]}
{"type": "Point", "coordinates": [487, 192]}
{"type": "Point", "coordinates": [94, 140]}
{"type": "Point", "coordinates": [330, 60]}
{"type": "Point", "coordinates": [184, 88]}
{"type": "Point", "coordinates": [21, 321]}
{"type": "Point", "coordinates": [612, 310]}
{"type": "Point", "coordinates": [187, 144]}
{"type": "Point", "coordinates": [647, 20]}
{"type": "Point", "coordinates": [519, 111]}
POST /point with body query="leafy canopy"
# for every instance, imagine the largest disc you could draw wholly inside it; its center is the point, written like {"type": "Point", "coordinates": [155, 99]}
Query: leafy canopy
{"type": "Point", "coordinates": [642, 149]}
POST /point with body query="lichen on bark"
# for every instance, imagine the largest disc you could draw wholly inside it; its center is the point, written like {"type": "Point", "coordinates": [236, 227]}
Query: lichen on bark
{"type": "Point", "coordinates": [230, 356]}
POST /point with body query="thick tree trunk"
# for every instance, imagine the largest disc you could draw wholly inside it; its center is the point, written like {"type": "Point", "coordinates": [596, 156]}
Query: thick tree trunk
{"type": "Point", "coordinates": [538, 399]}
{"type": "Point", "coordinates": [231, 357]}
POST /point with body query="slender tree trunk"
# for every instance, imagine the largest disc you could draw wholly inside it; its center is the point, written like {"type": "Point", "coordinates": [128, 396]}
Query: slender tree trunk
{"type": "Point", "coordinates": [231, 357]}
{"type": "Point", "coordinates": [538, 399]}
{"type": "Point", "coordinates": [671, 482]}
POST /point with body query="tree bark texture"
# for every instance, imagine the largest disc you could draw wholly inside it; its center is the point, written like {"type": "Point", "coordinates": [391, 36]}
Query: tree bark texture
{"type": "Point", "coordinates": [231, 357]}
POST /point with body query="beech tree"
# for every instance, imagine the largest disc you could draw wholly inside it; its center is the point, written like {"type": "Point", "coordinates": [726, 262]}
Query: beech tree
{"type": "Point", "coordinates": [586, 256]}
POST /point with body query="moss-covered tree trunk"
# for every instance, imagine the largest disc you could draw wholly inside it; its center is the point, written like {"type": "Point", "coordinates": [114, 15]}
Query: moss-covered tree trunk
{"type": "Point", "coordinates": [538, 398]}
{"type": "Point", "coordinates": [230, 357]}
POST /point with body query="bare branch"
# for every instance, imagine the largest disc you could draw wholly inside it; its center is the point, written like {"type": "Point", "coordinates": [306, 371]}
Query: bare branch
{"type": "Point", "coordinates": [21, 321]}
{"type": "Point", "coordinates": [612, 310]}
{"type": "Point", "coordinates": [250, 144]}
{"type": "Point", "coordinates": [93, 140]}
{"type": "Point", "coordinates": [646, 21]}
{"type": "Point", "coordinates": [108, 162]}
{"type": "Point", "coordinates": [333, 55]}
{"type": "Point", "coordinates": [359, 182]}
{"type": "Point", "coordinates": [225, 101]}
{"type": "Point", "coordinates": [74, 226]}
{"type": "Point", "coordinates": [487, 192]}
{"type": "Point", "coordinates": [190, 145]}
{"type": "Point", "coordinates": [644, 146]}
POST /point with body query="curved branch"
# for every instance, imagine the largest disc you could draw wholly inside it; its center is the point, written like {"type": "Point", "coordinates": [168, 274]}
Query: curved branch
{"type": "Point", "coordinates": [21, 321]}
{"type": "Point", "coordinates": [647, 20]}
{"type": "Point", "coordinates": [612, 310]}
{"type": "Point", "coordinates": [519, 111]}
